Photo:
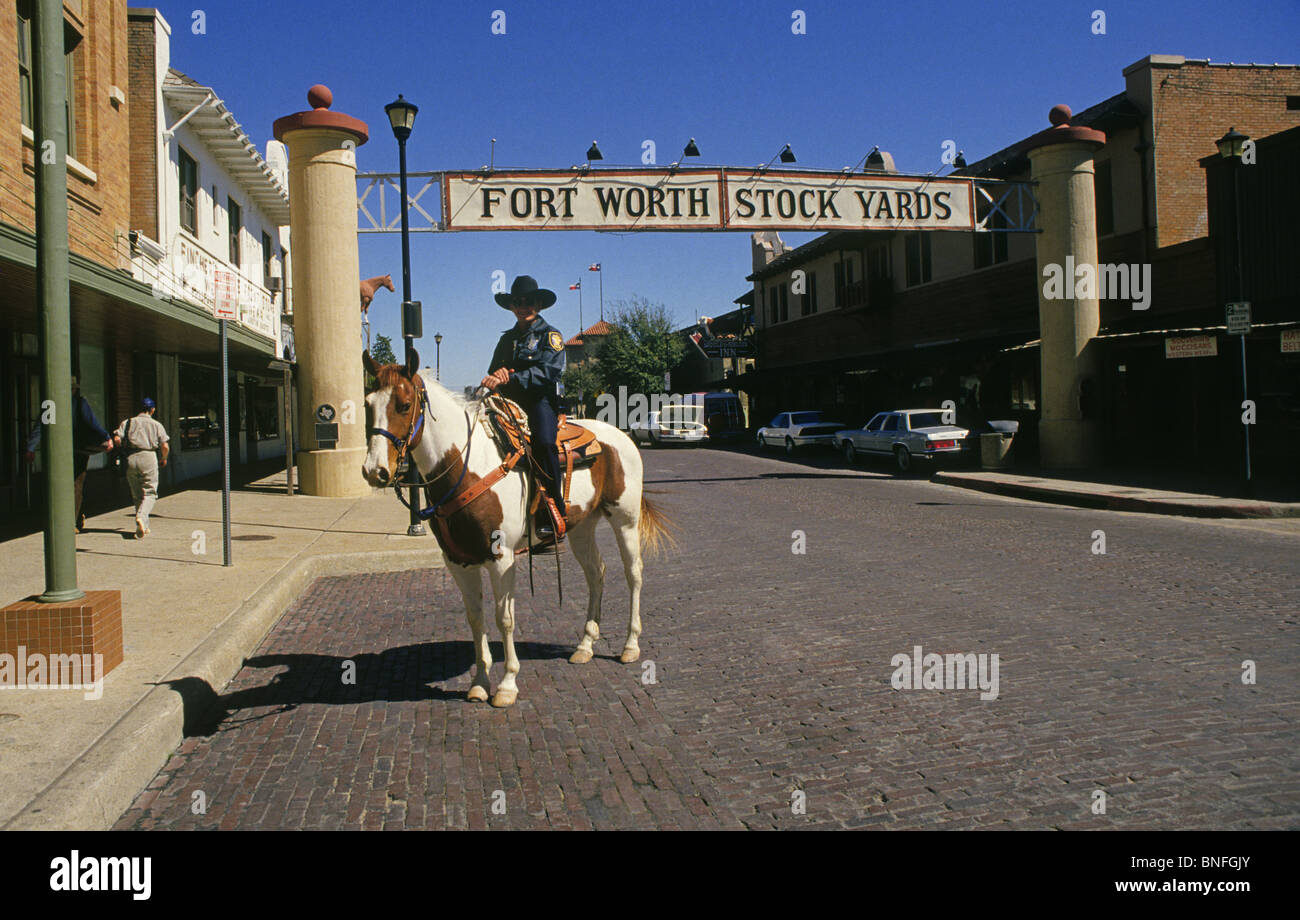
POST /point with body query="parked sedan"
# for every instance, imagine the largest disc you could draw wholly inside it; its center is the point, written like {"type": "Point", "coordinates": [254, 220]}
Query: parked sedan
{"type": "Point", "coordinates": [793, 430]}
{"type": "Point", "coordinates": [908, 435]}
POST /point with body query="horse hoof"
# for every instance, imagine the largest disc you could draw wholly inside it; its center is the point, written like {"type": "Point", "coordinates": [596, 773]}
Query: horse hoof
{"type": "Point", "coordinates": [581, 656]}
{"type": "Point", "coordinates": [477, 694]}
{"type": "Point", "coordinates": [629, 655]}
{"type": "Point", "coordinates": [504, 698]}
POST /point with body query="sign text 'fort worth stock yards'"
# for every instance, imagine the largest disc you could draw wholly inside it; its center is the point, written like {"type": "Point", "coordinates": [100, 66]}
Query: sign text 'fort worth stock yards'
{"type": "Point", "coordinates": [703, 199]}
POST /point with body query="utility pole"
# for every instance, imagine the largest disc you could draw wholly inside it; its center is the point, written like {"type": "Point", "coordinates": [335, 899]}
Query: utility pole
{"type": "Point", "coordinates": [52, 301]}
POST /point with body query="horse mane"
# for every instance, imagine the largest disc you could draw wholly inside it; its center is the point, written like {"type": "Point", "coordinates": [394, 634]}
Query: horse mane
{"type": "Point", "coordinates": [389, 374]}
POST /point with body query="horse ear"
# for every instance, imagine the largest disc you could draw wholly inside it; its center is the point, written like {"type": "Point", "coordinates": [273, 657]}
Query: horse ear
{"type": "Point", "coordinates": [369, 363]}
{"type": "Point", "coordinates": [412, 362]}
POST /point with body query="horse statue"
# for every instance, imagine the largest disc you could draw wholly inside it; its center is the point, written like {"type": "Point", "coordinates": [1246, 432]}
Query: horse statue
{"type": "Point", "coordinates": [370, 286]}
{"type": "Point", "coordinates": [482, 507]}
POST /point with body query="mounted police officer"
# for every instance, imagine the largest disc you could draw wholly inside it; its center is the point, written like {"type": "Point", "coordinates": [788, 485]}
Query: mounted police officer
{"type": "Point", "coordinates": [526, 367]}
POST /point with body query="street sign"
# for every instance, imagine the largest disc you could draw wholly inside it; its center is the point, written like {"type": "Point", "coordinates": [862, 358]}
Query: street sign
{"type": "Point", "coordinates": [1238, 318]}
{"type": "Point", "coordinates": [226, 294]}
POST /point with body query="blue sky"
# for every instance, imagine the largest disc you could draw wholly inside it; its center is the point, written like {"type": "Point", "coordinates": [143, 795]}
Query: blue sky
{"type": "Point", "coordinates": [906, 76]}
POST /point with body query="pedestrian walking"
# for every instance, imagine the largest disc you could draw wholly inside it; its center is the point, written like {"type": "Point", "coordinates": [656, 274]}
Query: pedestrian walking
{"type": "Point", "coordinates": [143, 439]}
{"type": "Point", "coordinates": [88, 437]}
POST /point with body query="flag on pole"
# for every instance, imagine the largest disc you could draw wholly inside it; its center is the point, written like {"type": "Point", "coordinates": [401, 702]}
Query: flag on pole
{"type": "Point", "coordinates": [593, 267]}
{"type": "Point", "coordinates": [575, 286]}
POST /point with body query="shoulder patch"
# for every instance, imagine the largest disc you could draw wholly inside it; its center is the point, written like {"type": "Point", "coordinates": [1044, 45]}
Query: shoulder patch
{"type": "Point", "coordinates": [553, 339]}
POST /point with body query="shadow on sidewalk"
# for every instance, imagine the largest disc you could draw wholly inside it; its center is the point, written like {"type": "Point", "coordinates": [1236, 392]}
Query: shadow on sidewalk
{"type": "Point", "coordinates": [394, 675]}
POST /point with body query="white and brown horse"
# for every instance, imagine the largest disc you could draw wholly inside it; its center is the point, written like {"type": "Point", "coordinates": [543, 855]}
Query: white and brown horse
{"type": "Point", "coordinates": [450, 446]}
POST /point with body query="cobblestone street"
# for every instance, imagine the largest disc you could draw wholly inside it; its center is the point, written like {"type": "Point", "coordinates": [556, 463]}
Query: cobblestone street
{"type": "Point", "coordinates": [1119, 672]}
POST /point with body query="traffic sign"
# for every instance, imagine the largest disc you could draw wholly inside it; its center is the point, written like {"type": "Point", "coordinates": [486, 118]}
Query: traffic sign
{"type": "Point", "coordinates": [1238, 317]}
{"type": "Point", "coordinates": [226, 298]}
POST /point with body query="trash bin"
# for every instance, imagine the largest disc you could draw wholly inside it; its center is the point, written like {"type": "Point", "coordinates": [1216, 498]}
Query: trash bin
{"type": "Point", "coordinates": [995, 445]}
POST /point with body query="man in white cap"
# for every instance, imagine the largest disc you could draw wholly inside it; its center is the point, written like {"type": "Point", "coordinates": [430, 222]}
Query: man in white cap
{"type": "Point", "coordinates": [140, 436]}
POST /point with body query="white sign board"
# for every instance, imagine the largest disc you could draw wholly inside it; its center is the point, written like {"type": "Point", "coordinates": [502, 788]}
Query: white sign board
{"type": "Point", "coordinates": [811, 201]}
{"type": "Point", "coordinates": [226, 295]}
{"type": "Point", "coordinates": [1238, 318]}
{"type": "Point", "coordinates": [1191, 346]}
{"type": "Point", "coordinates": [703, 199]}
{"type": "Point", "coordinates": [1291, 340]}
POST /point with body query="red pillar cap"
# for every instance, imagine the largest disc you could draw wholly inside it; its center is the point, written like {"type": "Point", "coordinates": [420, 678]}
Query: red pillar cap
{"type": "Point", "coordinates": [320, 99]}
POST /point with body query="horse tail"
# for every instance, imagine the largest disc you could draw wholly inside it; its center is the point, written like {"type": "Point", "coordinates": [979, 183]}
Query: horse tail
{"type": "Point", "coordinates": [655, 529]}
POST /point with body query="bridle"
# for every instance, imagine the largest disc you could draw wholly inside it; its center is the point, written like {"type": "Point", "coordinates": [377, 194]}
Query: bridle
{"type": "Point", "coordinates": [414, 428]}
{"type": "Point", "coordinates": [419, 406]}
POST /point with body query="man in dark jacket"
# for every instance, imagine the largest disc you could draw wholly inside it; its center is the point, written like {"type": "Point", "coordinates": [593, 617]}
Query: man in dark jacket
{"type": "Point", "coordinates": [88, 437]}
{"type": "Point", "coordinates": [526, 367]}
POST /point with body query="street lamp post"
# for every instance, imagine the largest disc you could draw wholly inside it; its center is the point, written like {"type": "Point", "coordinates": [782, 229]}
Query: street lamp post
{"type": "Point", "coordinates": [437, 361]}
{"type": "Point", "coordinates": [1230, 148]}
{"type": "Point", "coordinates": [401, 115]}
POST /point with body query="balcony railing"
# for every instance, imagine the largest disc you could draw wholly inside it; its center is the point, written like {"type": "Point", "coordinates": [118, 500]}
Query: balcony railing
{"type": "Point", "coordinates": [190, 274]}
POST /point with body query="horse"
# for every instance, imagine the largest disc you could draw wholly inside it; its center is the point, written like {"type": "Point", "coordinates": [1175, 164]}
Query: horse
{"type": "Point", "coordinates": [370, 286]}
{"type": "Point", "coordinates": [456, 460]}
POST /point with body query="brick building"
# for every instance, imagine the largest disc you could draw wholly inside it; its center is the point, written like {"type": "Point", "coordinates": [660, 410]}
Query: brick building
{"type": "Point", "coordinates": [128, 329]}
{"type": "Point", "coordinates": [901, 319]}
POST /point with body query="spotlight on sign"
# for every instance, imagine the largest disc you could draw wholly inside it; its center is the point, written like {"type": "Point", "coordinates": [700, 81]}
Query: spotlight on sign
{"type": "Point", "coordinates": [593, 152]}
{"type": "Point", "coordinates": [691, 150]}
{"type": "Point", "coordinates": [787, 155]}
{"type": "Point", "coordinates": [874, 159]}
{"type": "Point", "coordinates": [960, 162]}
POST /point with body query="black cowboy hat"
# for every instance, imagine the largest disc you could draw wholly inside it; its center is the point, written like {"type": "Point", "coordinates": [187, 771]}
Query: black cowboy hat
{"type": "Point", "coordinates": [525, 292]}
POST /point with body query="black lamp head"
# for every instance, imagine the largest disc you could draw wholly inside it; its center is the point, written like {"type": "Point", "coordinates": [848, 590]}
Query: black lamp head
{"type": "Point", "coordinates": [401, 115]}
{"type": "Point", "coordinates": [874, 159]}
{"type": "Point", "coordinates": [593, 152]}
{"type": "Point", "coordinates": [787, 155]}
{"type": "Point", "coordinates": [1230, 145]}
{"type": "Point", "coordinates": [691, 150]}
{"type": "Point", "coordinates": [960, 162]}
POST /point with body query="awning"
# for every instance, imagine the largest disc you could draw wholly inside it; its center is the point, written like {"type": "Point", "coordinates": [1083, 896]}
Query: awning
{"type": "Point", "coordinates": [228, 143]}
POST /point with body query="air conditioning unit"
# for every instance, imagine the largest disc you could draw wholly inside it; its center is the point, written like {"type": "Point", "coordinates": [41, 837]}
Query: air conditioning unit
{"type": "Point", "coordinates": [275, 285]}
{"type": "Point", "coordinates": [147, 246]}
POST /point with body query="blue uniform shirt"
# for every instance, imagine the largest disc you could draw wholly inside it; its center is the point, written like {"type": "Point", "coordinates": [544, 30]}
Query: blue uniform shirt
{"type": "Point", "coordinates": [535, 355]}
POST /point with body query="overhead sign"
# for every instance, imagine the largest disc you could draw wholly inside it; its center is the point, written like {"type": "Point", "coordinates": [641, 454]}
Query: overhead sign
{"type": "Point", "coordinates": [1290, 340]}
{"type": "Point", "coordinates": [1191, 346]}
{"type": "Point", "coordinates": [815, 201]}
{"type": "Point", "coordinates": [610, 199]}
{"type": "Point", "coordinates": [703, 199]}
{"type": "Point", "coordinates": [1237, 316]}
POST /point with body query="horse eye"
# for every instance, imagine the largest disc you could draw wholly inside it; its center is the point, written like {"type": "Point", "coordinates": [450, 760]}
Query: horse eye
{"type": "Point", "coordinates": [403, 407]}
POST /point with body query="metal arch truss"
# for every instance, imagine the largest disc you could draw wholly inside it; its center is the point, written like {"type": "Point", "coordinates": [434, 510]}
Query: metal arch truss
{"type": "Point", "coordinates": [1014, 202]}
{"type": "Point", "coordinates": [390, 217]}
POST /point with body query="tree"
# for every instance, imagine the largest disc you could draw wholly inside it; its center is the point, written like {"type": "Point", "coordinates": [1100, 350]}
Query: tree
{"type": "Point", "coordinates": [582, 384]}
{"type": "Point", "coordinates": [383, 354]}
{"type": "Point", "coordinates": [383, 351]}
{"type": "Point", "coordinates": [640, 348]}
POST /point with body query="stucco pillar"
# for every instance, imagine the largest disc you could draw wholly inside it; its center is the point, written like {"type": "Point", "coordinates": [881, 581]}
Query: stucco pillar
{"type": "Point", "coordinates": [1061, 164]}
{"type": "Point", "coordinates": [323, 225]}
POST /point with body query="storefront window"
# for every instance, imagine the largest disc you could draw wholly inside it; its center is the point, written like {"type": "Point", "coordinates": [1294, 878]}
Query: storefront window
{"type": "Point", "coordinates": [266, 413]}
{"type": "Point", "coordinates": [199, 418]}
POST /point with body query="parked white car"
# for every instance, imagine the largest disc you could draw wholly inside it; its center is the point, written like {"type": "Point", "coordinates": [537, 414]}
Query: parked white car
{"type": "Point", "coordinates": [908, 435]}
{"type": "Point", "coordinates": [673, 424]}
{"type": "Point", "coordinates": [793, 430]}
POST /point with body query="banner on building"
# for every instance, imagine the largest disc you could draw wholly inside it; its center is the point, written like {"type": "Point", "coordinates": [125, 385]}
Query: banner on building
{"type": "Point", "coordinates": [1191, 346]}
{"type": "Point", "coordinates": [703, 199]}
{"type": "Point", "coordinates": [1290, 341]}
